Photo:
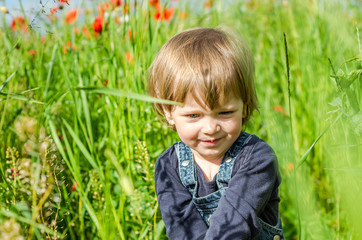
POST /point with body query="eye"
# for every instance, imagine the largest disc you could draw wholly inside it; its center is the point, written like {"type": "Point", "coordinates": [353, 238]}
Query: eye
{"type": "Point", "coordinates": [226, 113]}
{"type": "Point", "coordinates": [193, 115]}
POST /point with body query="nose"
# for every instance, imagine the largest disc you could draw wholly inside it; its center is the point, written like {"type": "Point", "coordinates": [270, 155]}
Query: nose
{"type": "Point", "coordinates": [210, 126]}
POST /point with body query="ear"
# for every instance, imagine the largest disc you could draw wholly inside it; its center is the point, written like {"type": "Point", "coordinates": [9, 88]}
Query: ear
{"type": "Point", "coordinates": [245, 110]}
{"type": "Point", "coordinates": [169, 118]}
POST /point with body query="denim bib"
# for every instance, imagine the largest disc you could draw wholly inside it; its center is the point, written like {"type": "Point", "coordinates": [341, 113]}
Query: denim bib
{"type": "Point", "coordinates": [207, 205]}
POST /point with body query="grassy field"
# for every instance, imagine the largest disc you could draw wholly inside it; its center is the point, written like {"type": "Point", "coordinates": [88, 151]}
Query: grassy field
{"type": "Point", "coordinates": [79, 137]}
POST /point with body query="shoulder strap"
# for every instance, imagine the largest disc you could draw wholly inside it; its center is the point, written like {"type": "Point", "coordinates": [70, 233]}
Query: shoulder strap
{"type": "Point", "coordinates": [226, 167]}
{"type": "Point", "coordinates": [186, 166]}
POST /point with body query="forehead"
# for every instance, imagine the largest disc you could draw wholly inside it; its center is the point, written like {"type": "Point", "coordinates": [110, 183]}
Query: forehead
{"type": "Point", "coordinates": [196, 99]}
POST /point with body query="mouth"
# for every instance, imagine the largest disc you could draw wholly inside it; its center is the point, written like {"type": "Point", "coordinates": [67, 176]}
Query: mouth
{"type": "Point", "coordinates": [211, 142]}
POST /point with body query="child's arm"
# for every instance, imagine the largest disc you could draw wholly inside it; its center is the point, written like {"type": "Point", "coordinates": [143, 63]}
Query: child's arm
{"type": "Point", "coordinates": [249, 191]}
{"type": "Point", "coordinates": [181, 218]}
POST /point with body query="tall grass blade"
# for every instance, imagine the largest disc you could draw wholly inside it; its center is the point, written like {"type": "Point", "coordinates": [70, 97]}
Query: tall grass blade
{"type": "Point", "coordinates": [50, 70]}
{"type": "Point", "coordinates": [288, 78]}
{"type": "Point", "coordinates": [60, 148]}
{"type": "Point", "coordinates": [76, 173]}
{"type": "Point", "coordinates": [305, 155]}
{"type": "Point", "coordinates": [86, 113]}
{"type": "Point", "coordinates": [7, 81]}
{"type": "Point", "coordinates": [292, 134]}
{"type": "Point", "coordinates": [124, 182]}
{"type": "Point", "coordinates": [83, 149]}
{"type": "Point", "coordinates": [121, 93]}
{"type": "Point", "coordinates": [19, 97]}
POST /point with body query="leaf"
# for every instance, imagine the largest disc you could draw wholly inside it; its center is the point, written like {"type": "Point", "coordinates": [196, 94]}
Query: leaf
{"type": "Point", "coordinates": [159, 228]}
{"type": "Point", "coordinates": [356, 120]}
{"type": "Point", "coordinates": [351, 77]}
{"type": "Point", "coordinates": [306, 154]}
{"type": "Point", "coordinates": [82, 148]}
{"type": "Point", "coordinates": [30, 90]}
{"type": "Point", "coordinates": [7, 81]}
{"type": "Point", "coordinates": [124, 181]}
{"type": "Point", "coordinates": [50, 70]}
{"type": "Point", "coordinates": [356, 59]}
{"type": "Point", "coordinates": [121, 93]}
{"type": "Point", "coordinates": [336, 102]}
{"type": "Point", "coordinates": [20, 97]}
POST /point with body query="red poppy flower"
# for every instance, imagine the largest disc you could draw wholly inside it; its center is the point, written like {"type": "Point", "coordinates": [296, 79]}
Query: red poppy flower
{"type": "Point", "coordinates": [209, 3]}
{"type": "Point", "coordinates": [280, 109]}
{"type": "Point", "coordinates": [33, 52]}
{"type": "Point", "coordinates": [74, 186]}
{"type": "Point", "coordinates": [86, 32]}
{"type": "Point", "coordinates": [156, 4]}
{"type": "Point", "coordinates": [126, 9]}
{"type": "Point", "coordinates": [54, 10]}
{"type": "Point", "coordinates": [71, 16]}
{"type": "Point", "coordinates": [167, 14]}
{"type": "Point", "coordinates": [63, 1]}
{"type": "Point", "coordinates": [98, 24]}
{"type": "Point", "coordinates": [68, 45]}
{"type": "Point", "coordinates": [19, 23]}
{"type": "Point", "coordinates": [130, 34]}
{"type": "Point", "coordinates": [116, 3]}
{"type": "Point", "coordinates": [158, 15]}
{"type": "Point", "coordinates": [129, 57]}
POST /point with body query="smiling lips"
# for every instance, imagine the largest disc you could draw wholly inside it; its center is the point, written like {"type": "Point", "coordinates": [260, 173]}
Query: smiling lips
{"type": "Point", "coordinates": [211, 142]}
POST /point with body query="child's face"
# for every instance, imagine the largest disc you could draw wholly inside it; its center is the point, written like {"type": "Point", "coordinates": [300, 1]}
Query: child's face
{"type": "Point", "coordinates": [209, 133]}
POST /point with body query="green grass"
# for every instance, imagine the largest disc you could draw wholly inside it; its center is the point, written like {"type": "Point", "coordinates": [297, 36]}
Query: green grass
{"type": "Point", "coordinates": [79, 130]}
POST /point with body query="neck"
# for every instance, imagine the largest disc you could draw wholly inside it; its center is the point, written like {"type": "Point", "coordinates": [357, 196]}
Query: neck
{"type": "Point", "coordinates": [209, 167]}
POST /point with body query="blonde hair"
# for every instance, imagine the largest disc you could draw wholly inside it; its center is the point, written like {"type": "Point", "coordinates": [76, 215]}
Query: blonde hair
{"type": "Point", "coordinates": [215, 62]}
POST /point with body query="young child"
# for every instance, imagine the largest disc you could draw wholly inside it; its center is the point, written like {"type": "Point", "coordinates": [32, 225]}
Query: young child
{"type": "Point", "coordinates": [218, 182]}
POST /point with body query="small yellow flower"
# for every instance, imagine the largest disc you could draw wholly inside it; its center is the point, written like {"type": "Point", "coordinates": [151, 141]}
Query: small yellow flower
{"type": "Point", "coordinates": [4, 9]}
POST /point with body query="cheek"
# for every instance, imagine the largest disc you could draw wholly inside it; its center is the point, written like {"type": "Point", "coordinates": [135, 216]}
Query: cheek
{"type": "Point", "coordinates": [234, 126]}
{"type": "Point", "coordinates": [186, 132]}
